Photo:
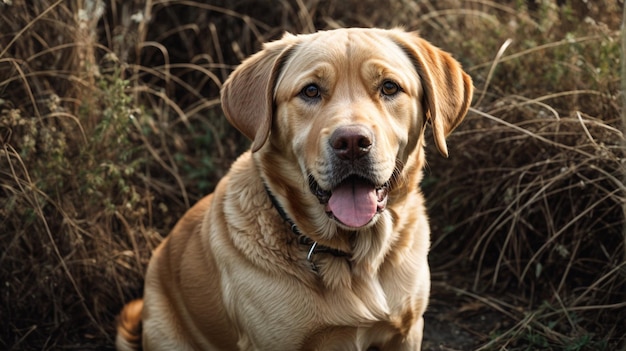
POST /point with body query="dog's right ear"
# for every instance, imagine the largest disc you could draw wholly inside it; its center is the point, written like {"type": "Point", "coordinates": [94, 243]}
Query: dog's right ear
{"type": "Point", "coordinates": [248, 93]}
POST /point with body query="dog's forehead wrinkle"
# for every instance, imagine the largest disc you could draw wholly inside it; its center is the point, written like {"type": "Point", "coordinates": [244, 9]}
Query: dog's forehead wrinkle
{"type": "Point", "coordinates": [347, 51]}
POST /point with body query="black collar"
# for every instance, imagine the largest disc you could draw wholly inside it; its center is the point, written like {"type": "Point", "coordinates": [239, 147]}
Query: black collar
{"type": "Point", "coordinates": [303, 239]}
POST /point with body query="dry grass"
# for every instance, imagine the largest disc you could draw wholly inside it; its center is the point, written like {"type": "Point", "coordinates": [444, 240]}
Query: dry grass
{"type": "Point", "coordinates": [110, 128]}
{"type": "Point", "coordinates": [536, 209]}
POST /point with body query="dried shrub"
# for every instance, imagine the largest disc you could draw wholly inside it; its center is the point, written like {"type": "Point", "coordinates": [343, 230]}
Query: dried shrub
{"type": "Point", "coordinates": [531, 202]}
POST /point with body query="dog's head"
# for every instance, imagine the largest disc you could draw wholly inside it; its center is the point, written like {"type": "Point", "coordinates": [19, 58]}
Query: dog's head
{"type": "Point", "coordinates": [348, 107]}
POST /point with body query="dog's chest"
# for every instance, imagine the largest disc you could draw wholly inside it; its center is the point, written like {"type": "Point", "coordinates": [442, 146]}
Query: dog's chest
{"type": "Point", "coordinates": [286, 315]}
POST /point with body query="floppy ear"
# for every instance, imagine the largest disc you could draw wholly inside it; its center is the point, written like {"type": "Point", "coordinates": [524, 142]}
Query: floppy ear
{"type": "Point", "coordinates": [247, 94]}
{"type": "Point", "coordinates": [447, 88]}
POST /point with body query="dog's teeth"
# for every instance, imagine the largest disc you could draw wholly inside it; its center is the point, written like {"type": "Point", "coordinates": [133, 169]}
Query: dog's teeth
{"type": "Point", "coordinates": [381, 193]}
{"type": "Point", "coordinates": [323, 196]}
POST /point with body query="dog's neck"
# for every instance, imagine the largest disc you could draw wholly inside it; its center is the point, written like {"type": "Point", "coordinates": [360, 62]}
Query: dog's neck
{"type": "Point", "coordinates": [313, 246]}
{"type": "Point", "coordinates": [366, 248]}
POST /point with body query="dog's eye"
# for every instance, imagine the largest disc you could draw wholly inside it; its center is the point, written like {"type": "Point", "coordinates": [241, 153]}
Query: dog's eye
{"type": "Point", "coordinates": [311, 91]}
{"type": "Point", "coordinates": [389, 88]}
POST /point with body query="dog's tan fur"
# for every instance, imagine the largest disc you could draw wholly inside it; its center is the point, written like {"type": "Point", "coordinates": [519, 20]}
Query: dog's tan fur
{"type": "Point", "coordinates": [233, 275]}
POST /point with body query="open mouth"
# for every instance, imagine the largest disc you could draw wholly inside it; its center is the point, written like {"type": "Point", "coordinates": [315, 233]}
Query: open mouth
{"type": "Point", "coordinates": [354, 202]}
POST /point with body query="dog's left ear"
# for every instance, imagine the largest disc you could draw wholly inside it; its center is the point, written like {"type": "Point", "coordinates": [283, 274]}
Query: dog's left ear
{"type": "Point", "coordinates": [447, 88]}
{"type": "Point", "coordinates": [247, 95]}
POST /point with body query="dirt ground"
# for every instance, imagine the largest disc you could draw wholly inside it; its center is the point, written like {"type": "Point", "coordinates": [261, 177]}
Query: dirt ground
{"type": "Point", "coordinates": [457, 323]}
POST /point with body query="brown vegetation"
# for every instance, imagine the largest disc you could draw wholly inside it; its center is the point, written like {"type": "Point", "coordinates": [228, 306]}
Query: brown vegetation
{"type": "Point", "coordinates": [110, 128]}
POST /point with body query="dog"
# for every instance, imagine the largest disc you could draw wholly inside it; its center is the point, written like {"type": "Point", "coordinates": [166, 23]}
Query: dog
{"type": "Point", "coordinates": [317, 238]}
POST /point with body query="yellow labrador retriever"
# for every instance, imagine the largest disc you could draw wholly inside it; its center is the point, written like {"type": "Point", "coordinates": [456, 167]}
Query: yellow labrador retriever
{"type": "Point", "coordinates": [317, 238]}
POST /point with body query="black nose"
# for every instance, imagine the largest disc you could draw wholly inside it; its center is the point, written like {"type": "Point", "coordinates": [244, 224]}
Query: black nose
{"type": "Point", "coordinates": [351, 142]}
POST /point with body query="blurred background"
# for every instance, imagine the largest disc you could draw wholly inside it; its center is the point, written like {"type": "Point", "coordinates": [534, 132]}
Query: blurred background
{"type": "Point", "coordinates": [110, 128]}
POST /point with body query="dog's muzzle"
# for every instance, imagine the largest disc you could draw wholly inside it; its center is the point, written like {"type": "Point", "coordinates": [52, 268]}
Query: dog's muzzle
{"type": "Point", "coordinates": [353, 197]}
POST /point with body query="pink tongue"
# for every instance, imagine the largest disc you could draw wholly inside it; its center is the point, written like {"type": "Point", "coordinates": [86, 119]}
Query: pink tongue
{"type": "Point", "coordinates": [353, 202]}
